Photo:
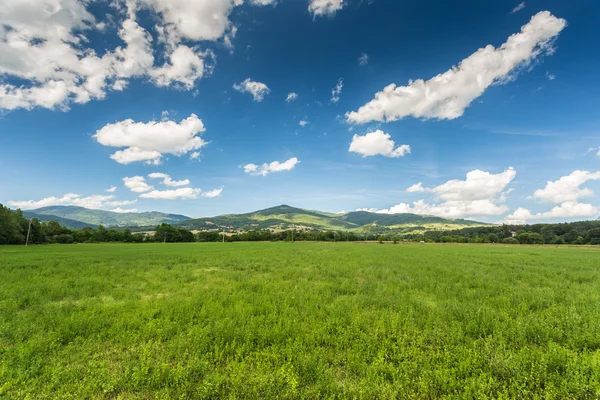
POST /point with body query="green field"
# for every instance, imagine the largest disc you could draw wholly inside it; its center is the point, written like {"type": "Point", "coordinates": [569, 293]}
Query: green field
{"type": "Point", "coordinates": [299, 321]}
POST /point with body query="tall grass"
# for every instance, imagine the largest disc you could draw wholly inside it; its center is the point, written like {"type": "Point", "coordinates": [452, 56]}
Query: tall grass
{"type": "Point", "coordinates": [296, 321]}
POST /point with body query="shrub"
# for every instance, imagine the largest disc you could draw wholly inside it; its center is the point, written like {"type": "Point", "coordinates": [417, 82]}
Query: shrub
{"type": "Point", "coordinates": [510, 240]}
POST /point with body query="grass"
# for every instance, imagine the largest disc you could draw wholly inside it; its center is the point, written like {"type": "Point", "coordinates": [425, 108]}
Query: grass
{"type": "Point", "coordinates": [297, 321]}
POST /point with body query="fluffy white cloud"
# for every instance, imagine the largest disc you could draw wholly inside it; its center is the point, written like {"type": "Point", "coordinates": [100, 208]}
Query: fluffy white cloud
{"type": "Point", "coordinates": [175, 194]}
{"type": "Point", "coordinates": [417, 187]}
{"type": "Point", "coordinates": [137, 184]}
{"type": "Point", "coordinates": [119, 203]}
{"type": "Point", "coordinates": [111, 189]}
{"type": "Point", "coordinates": [447, 95]}
{"type": "Point", "coordinates": [303, 123]}
{"type": "Point", "coordinates": [274, 166]}
{"type": "Point", "coordinates": [480, 194]}
{"type": "Point", "coordinates": [363, 59]}
{"type": "Point", "coordinates": [336, 91]}
{"type": "Point", "coordinates": [124, 210]}
{"type": "Point", "coordinates": [568, 209]}
{"type": "Point", "coordinates": [291, 97]}
{"type": "Point", "coordinates": [150, 141]}
{"type": "Point", "coordinates": [320, 8]}
{"type": "Point", "coordinates": [46, 54]}
{"type": "Point", "coordinates": [213, 193]}
{"type": "Point", "coordinates": [69, 199]}
{"type": "Point", "coordinates": [519, 7]}
{"type": "Point", "coordinates": [258, 90]}
{"type": "Point", "coordinates": [166, 179]}
{"type": "Point", "coordinates": [567, 188]}
{"type": "Point", "coordinates": [377, 143]}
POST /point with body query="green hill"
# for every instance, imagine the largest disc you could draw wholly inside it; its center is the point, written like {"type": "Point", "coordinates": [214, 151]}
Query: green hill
{"type": "Point", "coordinates": [67, 223]}
{"type": "Point", "coordinates": [108, 218]}
{"type": "Point", "coordinates": [285, 217]}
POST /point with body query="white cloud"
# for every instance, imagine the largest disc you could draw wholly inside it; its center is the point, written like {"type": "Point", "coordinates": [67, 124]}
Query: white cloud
{"type": "Point", "coordinates": [50, 62]}
{"type": "Point", "coordinates": [567, 188]}
{"type": "Point", "coordinates": [363, 59]}
{"type": "Point", "coordinates": [150, 141]}
{"type": "Point", "coordinates": [174, 194]}
{"type": "Point", "coordinates": [274, 166]}
{"type": "Point", "coordinates": [291, 97]}
{"type": "Point", "coordinates": [417, 187]}
{"type": "Point", "coordinates": [111, 189]}
{"type": "Point", "coordinates": [337, 90]}
{"type": "Point", "coordinates": [320, 8]}
{"type": "Point", "coordinates": [119, 203]}
{"type": "Point", "coordinates": [550, 76]}
{"type": "Point", "coordinates": [166, 179]}
{"type": "Point", "coordinates": [185, 67]}
{"type": "Point", "coordinates": [137, 184]}
{"type": "Point", "coordinates": [213, 193]}
{"type": "Point", "coordinates": [480, 194]}
{"type": "Point", "coordinates": [377, 143]}
{"type": "Point", "coordinates": [447, 95]}
{"type": "Point", "coordinates": [258, 90]}
{"type": "Point", "coordinates": [124, 210]}
{"type": "Point", "coordinates": [303, 123]}
{"type": "Point", "coordinates": [568, 209]}
{"type": "Point", "coordinates": [519, 7]}
{"type": "Point", "coordinates": [69, 199]}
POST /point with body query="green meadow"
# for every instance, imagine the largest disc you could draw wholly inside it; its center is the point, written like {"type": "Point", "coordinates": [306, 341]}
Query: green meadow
{"type": "Point", "coordinates": [299, 321]}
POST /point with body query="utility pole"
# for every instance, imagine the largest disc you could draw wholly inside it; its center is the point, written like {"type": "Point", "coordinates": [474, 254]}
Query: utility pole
{"type": "Point", "coordinates": [28, 230]}
{"type": "Point", "coordinates": [293, 228]}
{"type": "Point", "coordinates": [223, 235]}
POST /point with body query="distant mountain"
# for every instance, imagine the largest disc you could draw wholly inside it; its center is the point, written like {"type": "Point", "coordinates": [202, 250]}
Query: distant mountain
{"type": "Point", "coordinates": [367, 218]}
{"type": "Point", "coordinates": [285, 217]}
{"type": "Point", "coordinates": [67, 223]}
{"type": "Point", "coordinates": [108, 218]}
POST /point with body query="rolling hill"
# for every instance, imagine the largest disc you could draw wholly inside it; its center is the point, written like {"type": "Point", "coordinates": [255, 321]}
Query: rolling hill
{"type": "Point", "coordinates": [67, 223]}
{"type": "Point", "coordinates": [106, 218]}
{"type": "Point", "coordinates": [284, 217]}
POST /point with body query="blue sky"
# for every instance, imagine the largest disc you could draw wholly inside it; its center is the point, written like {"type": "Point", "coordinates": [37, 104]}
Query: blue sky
{"type": "Point", "coordinates": [94, 97]}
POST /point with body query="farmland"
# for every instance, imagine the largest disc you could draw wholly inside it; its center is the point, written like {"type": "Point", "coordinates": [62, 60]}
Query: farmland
{"type": "Point", "coordinates": [299, 320]}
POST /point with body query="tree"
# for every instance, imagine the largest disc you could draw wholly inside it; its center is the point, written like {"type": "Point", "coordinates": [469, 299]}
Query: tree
{"type": "Point", "coordinates": [530, 238]}
{"type": "Point", "coordinates": [380, 239]}
{"type": "Point", "coordinates": [493, 238]}
{"type": "Point", "coordinates": [510, 240]}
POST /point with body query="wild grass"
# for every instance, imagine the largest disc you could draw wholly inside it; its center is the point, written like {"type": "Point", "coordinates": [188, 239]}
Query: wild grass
{"type": "Point", "coordinates": [298, 321]}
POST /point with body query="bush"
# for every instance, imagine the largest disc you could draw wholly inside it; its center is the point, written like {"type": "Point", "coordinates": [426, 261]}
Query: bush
{"type": "Point", "coordinates": [510, 240]}
{"type": "Point", "coordinates": [530, 238]}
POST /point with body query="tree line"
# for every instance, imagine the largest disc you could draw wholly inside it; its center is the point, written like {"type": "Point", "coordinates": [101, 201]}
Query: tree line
{"type": "Point", "coordinates": [14, 227]}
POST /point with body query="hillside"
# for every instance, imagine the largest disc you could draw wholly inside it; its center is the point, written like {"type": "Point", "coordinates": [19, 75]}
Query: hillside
{"type": "Point", "coordinates": [67, 223]}
{"type": "Point", "coordinates": [108, 218]}
{"type": "Point", "coordinates": [284, 217]}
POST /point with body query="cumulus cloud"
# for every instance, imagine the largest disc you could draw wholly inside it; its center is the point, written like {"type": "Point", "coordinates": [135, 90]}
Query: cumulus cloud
{"type": "Point", "coordinates": [337, 90]}
{"type": "Point", "coordinates": [267, 168]}
{"type": "Point", "coordinates": [124, 210]}
{"type": "Point", "coordinates": [320, 8]}
{"type": "Point", "coordinates": [363, 59]}
{"type": "Point", "coordinates": [174, 194]}
{"type": "Point", "coordinates": [258, 90]}
{"type": "Point", "coordinates": [213, 193]}
{"type": "Point", "coordinates": [518, 8]}
{"type": "Point", "coordinates": [567, 188]}
{"type": "Point", "coordinates": [480, 194]}
{"type": "Point", "coordinates": [137, 184]}
{"type": "Point", "coordinates": [167, 180]}
{"type": "Point", "coordinates": [377, 143]}
{"type": "Point", "coordinates": [151, 140]}
{"type": "Point", "coordinates": [69, 199]}
{"type": "Point", "coordinates": [446, 96]}
{"type": "Point", "coordinates": [49, 60]}
{"type": "Point", "coordinates": [291, 97]}
{"type": "Point", "coordinates": [568, 209]}
{"type": "Point", "coordinates": [111, 189]}
{"type": "Point", "coordinates": [303, 123]}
